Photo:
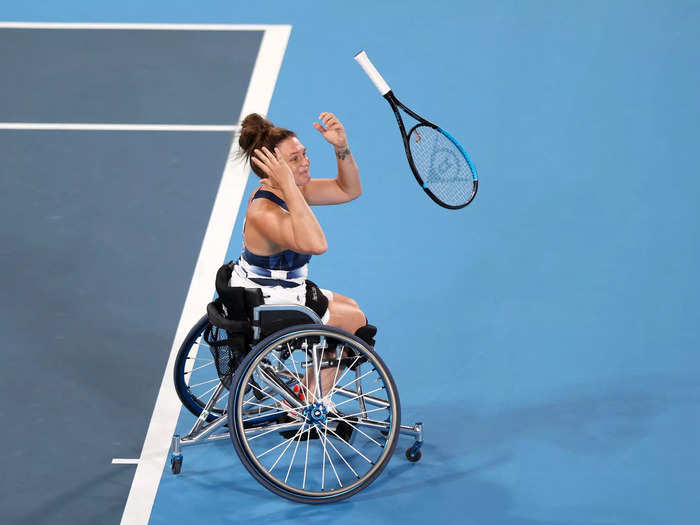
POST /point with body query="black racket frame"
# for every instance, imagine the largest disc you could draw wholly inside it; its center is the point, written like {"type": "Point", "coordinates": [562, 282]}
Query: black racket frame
{"type": "Point", "coordinates": [395, 104]}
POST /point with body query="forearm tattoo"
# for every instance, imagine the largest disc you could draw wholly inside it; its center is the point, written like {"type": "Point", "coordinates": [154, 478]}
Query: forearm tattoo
{"type": "Point", "coordinates": [342, 153]}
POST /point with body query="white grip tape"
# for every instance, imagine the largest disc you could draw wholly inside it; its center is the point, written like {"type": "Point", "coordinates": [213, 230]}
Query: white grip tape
{"type": "Point", "coordinates": [372, 72]}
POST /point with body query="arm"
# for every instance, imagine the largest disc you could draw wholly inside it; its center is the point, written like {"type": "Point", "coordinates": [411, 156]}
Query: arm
{"type": "Point", "coordinates": [346, 186]}
{"type": "Point", "coordinates": [298, 230]}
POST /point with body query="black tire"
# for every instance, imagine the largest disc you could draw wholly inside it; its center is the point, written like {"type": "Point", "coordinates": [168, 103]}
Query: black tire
{"type": "Point", "coordinates": [357, 469]}
{"type": "Point", "coordinates": [176, 465]}
{"type": "Point", "coordinates": [413, 454]}
{"type": "Point", "coordinates": [195, 387]}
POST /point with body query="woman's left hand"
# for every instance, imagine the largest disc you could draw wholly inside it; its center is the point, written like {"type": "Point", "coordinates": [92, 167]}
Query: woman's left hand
{"type": "Point", "coordinates": [332, 130]}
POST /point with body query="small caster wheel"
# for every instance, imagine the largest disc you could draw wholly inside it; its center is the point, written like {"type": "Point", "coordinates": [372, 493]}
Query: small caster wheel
{"type": "Point", "coordinates": [176, 464]}
{"type": "Point", "coordinates": [413, 454]}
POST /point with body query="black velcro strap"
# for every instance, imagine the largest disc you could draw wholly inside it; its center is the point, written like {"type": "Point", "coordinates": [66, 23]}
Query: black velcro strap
{"type": "Point", "coordinates": [315, 299]}
{"type": "Point", "coordinates": [367, 333]}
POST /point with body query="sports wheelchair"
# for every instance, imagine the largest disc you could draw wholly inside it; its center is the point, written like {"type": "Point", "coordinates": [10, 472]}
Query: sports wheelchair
{"type": "Point", "coordinates": [245, 366]}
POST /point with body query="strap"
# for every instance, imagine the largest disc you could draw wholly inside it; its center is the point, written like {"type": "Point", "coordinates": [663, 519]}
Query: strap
{"type": "Point", "coordinates": [264, 194]}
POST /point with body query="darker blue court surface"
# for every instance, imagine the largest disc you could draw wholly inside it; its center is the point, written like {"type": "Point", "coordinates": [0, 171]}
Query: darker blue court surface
{"type": "Point", "coordinates": [125, 76]}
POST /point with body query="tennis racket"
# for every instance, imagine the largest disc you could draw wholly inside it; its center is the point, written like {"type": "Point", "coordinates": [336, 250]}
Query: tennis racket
{"type": "Point", "coordinates": [438, 162]}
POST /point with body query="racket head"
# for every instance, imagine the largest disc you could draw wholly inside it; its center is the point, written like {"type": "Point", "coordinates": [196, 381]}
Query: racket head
{"type": "Point", "coordinates": [441, 166]}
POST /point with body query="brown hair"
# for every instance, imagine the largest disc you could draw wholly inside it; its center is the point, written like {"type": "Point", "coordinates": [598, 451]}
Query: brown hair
{"type": "Point", "coordinates": [256, 132]}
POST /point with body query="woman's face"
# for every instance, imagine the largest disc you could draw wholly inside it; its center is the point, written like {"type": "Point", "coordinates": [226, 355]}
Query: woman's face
{"type": "Point", "coordinates": [294, 154]}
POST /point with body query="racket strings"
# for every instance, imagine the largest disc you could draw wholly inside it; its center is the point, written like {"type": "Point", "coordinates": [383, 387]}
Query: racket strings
{"type": "Point", "coordinates": [442, 165]}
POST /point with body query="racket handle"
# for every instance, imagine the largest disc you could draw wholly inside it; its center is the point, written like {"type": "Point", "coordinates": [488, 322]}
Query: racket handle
{"type": "Point", "coordinates": [372, 72]}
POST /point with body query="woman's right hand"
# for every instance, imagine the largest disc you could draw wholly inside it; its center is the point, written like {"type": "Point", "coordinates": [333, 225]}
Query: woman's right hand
{"type": "Point", "coordinates": [277, 170]}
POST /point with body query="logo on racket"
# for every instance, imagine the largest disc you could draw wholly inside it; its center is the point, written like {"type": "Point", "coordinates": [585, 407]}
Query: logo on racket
{"type": "Point", "coordinates": [444, 168]}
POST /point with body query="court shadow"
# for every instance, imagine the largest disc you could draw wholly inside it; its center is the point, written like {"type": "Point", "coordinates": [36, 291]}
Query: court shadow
{"type": "Point", "coordinates": [589, 421]}
{"type": "Point", "coordinates": [458, 496]}
{"type": "Point", "coordinates": [465, 449]}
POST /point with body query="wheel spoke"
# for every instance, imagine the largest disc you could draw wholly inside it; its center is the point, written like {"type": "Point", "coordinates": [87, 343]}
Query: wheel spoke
{"type": "Point", "coordinates": [271, 420]}
{"type": "Point", "coordinates": [330, 460]}
{"type": "Point", "coordinates": [347, 369]}
{"type": "Point", "coordinates": [348, 444]}
{"type": "Point", "coordinates": [365, 412]}
{"type": "Point", "coordinates": [268, 378]}
{"type": "Point", "coordinates": [276, 400]}
{"type": "Point", "coordinates": [306, 463]}
{"type": "Point", "coordinates": [343, 458]}
{"type": "Point", "coordinates": [296, 376]}
{"type": "Point", "coordinates": [355, 428]}
{"type": "Point", "coordinates": [294, 455]}
{"type": "Point", "coordinates": [274, 430]}
{"type": "Point", "coordinates": [360, 396]}
{"type": "Point", "coordinates": [209, 382]}
{"type": "Point", "coordinates": [356, 379]}
{"type": "Point", "coordinates": [299, 432]}
{"type": "Point", "coordinates": [195, 368]}
{"type": "Point", "coordinates": [270, 412]}
{"type": "Point", "coordinates": [281, 406]}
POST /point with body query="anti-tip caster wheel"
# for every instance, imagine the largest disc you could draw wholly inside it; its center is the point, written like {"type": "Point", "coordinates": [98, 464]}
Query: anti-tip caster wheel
{"type": "Point", "coordinates": [176, 464]}
{"type": "Point", "coordinates": [413, 454]}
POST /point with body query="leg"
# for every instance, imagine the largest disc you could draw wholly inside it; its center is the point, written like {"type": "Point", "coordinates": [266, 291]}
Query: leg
{"type": "Point", "coordinates": [346, 315]}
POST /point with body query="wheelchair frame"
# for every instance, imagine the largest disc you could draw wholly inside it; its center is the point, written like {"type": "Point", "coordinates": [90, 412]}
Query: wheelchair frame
{"type": "Point", "coordinates": [209, 421]}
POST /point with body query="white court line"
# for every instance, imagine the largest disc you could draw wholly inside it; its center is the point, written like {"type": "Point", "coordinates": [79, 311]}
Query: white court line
{"type": "Point", "coordinates": [125, 461]}
{"type": "Point", "coordinates": [168, 27]}
{"type": "Point", "coordinates": [216, 239]}
{"type": "Point", "coordinates": [66, 126]}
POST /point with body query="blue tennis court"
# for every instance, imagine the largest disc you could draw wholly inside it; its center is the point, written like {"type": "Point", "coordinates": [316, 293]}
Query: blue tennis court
{"type": "Point", "coordinates": [546, 335]}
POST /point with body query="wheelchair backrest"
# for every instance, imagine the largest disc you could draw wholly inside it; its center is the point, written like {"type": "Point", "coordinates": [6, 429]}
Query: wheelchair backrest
{"type": "Point", "coordinates": [239, 302]}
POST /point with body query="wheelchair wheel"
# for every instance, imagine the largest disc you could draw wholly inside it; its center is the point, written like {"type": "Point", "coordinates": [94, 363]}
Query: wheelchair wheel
{"type": "Point", "coordinates": [300, 442]}
{"type": "Point", "coordinates": [195, 374]}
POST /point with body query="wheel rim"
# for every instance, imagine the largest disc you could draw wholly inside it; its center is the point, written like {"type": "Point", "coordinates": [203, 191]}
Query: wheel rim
{"type": "Point", "coordinates": [347, 448]}
{"type": "Point", "coordinates": [198, 378]}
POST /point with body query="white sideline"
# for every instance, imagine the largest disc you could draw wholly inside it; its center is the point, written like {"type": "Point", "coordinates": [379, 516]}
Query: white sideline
{"type": "Point", "coordinates": [216, 239]}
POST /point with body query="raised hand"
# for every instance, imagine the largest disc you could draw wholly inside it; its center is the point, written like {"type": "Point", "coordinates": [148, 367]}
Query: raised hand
{"type": "Point", "coordinates": [332, 130]}
{"type": "Point", "coordinates": [278, 171]}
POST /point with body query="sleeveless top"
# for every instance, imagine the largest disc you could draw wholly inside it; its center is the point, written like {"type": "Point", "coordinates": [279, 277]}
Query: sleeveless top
{"type": "Point", "coordinates": [287, 268]}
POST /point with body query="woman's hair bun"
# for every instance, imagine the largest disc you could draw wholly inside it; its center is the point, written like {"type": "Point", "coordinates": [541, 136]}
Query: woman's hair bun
{"type": "Point", "coordinates": [253, 130]}
{"type": "Point", "coordinates": [256, 132]}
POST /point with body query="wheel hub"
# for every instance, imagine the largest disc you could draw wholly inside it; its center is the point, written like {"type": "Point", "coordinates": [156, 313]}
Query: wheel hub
{"type": "Point", "coordinates": [316, 413]}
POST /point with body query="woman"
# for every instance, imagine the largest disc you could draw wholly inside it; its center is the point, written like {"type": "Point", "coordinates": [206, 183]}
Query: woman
{"type": "Point", "coordinates": [281, 232]}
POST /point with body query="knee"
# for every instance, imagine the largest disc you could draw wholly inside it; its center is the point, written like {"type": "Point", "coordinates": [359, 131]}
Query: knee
{"type": "Point", "coordinates": [359, 317]}
{"type": "Point", "coordinates": [347, 301]}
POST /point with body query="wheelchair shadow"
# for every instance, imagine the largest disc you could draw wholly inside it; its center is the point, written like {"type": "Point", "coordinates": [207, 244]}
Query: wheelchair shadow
{"type": "Point", "coordinates": [591, 422]}
{"type": "Point", "coordinates": [466, 446]}
{"type": "Point", "coordinates": [462, 443]}
{"type": "Point", "coordinates": [478, 501]}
